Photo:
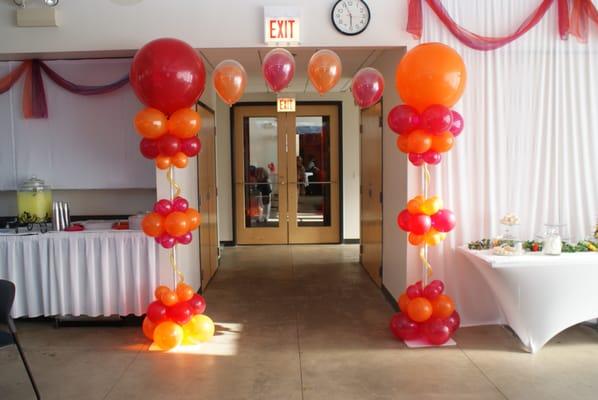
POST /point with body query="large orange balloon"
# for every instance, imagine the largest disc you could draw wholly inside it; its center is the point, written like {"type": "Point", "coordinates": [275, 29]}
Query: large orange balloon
{"type": "Point", "coordinates": [184, 123]}
{"type": "Point", "coordinates": [193, 217]}
{"type": "Point", "coordinates": [431, 73]}
{"type": "Point", "coordinates": [176, 224]}
{"type": "Point", "coordinates": [443, 306]}
{"type": "Point", "coordinates": [443, 142]}
{"type": "Point", "coordinates": [229, 79]}
{"type": "Point", "coordinates": [150, 123]}
{"type": "Point", "coordinates": [324, 70]}
{"type": "Point", "coordinates": [419, 141]}
{"type": "Point", "coordinates": [153, 224]}
{"type": "Point", "coordinates": [419, 309]}
{"type": "Point", "coordinates": [148, 328]}
{"type": "Point", "coordinates": [168, 335]}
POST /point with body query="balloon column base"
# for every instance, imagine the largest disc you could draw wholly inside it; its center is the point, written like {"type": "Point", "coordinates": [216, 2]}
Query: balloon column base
{"type": "Point", "coordinates": [421, 343]}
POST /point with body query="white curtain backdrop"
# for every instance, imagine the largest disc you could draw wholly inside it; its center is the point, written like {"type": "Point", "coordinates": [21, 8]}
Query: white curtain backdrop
{"type": "Point", "coordinates": [530, 144]}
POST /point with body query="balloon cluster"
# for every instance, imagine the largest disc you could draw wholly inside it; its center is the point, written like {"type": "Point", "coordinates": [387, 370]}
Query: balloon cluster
{"type": "Point", "coordinates": [426, 221]}
{"type": "Point", "coordinates": [168, 141]}
{"type": "Point", "coordinates": [425, 136]}
{"type": "Point", "coordinates": [426, 313]}
{"type": "Point", "coordinates": [171, 222]}
{"type": "Point", "coordinates": [176, 317]}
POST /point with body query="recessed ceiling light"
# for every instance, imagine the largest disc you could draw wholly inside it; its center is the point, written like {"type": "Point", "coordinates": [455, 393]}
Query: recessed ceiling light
{"type": "Point", "coordinates": [51, 3]}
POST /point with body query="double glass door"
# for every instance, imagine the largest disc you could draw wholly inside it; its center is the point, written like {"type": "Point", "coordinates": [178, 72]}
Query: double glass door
{"type": "Point", "coordinates": [286, 175]}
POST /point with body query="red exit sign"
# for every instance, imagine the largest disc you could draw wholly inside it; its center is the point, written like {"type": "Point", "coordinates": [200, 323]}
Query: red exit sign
{"type": "Point", "coordinates": [281, 25]}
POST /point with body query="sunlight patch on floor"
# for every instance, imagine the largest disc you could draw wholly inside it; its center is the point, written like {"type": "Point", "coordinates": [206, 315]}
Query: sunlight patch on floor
{"type": "Point", "coordinates": [224, 342]}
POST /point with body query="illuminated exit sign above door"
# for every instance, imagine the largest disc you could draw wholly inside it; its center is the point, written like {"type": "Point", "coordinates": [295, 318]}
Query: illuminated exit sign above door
{"type": "Point", "coordinates": [282, 25]}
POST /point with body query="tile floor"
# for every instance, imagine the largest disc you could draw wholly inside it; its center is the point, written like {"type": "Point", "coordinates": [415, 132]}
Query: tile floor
{"type": "Point", "coordinates": [301, 322]}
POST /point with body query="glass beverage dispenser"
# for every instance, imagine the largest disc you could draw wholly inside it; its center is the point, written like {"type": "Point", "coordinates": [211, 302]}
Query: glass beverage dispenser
{"type": "Point", "coordinates": [34, 202]}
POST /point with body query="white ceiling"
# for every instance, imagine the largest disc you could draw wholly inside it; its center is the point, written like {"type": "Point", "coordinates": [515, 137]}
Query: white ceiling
{"type": "Point", "coordinates": [251, 59]}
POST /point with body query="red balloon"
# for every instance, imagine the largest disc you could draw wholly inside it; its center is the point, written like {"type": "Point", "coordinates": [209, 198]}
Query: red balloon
{"type": "Point", "coordinates": [403, 220]}
{"type": "Point", "coordinates": [419, 224]}
{"type": "Point", "coordinates": [437, 119]}
{"type": "Point", "coordinates": [416, 159]}
{"type": "Point", "coordinates": [413, 291]}
{"type": "Point", "coordinates": [149, 148]}
{"type": "Point", "coordinates": [191, 146]}
{"type": "Point", "coordinates": [166, 241]}
{"type": "Point", "coordinates": [438, 283]}
{"type": "Point", "coordinates": [197, 303]}
{"type": "Point", "coordinates": [169, 145]}
{"type": "Point", "coordinates": [278, 69]}
{"type": "Point", "coordinates": [163, 207]}
{"type": "Point", "coordinates": [444, 220]}
{"type": "Point", "coordinates": [180, 313]}
{"type": "Point", "coordinates": [167, 74]}
{"type": "Point", "coordinates": [453, 322]}
{"type": "Point", "coordinates": [432, 157]}
{"type": "Point", "coordinates": [403, 327]}
{"type": "Point", "coordinates": [157, 312]}
{"type": "Point", "coordinates": [367, 87]}
{"type": "Point", "coordinates": [432, 291]}
{"type": "Point", "coordinates": [457, 125]}
{"type": "Point", "coordinates": [180, 204]}
{"type": "Point", "coordinates": [403, 119]}
{"type": "Point", "coordinates": [185, 239]}
{"type": "Point", "coordinates": [436, 331]}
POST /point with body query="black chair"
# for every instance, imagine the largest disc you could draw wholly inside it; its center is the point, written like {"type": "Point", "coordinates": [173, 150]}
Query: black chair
{"type": "Point", "coordinates": [8, 334]}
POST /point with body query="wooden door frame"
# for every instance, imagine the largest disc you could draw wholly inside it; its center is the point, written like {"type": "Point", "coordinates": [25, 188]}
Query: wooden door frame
{"type": "Point", "coordinates": [339, 105]}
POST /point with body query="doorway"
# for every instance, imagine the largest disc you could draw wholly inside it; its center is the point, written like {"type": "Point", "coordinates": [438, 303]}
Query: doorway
{"type": "Point", "coordinates": [286, 174]}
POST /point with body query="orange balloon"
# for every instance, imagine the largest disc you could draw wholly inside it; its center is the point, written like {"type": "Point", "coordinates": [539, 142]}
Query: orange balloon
{"type": "Point", "coordinates": [414, 206]}
{"type": "Point", "coordinates": [150, 123]}
{"type": "Point", "coordinates": [153, 224]}
{"type": "Point", "coordinates": [443, 142]}
{"type": "Point", "coordinates": [324, 70]}
{"type": "Point", "coordinates": [180, 160]}
{"type": "Point", "coordinates": [229, 79]}
{"type": "Point", "coordinates": [416, 240]}
{"type": "Point", "coordinates": [194, 218]}
{"type": "Point", "coordinates": [148, 328]}
{"type": "Point", "coordinates": [169, 298]}
{"type": "Point", "coordinates": [402, 143]}
{"type": "Point", "coordinates": [419, 141]}
{"type": "Point", "coordinates": [184, 123]}
{"type": "Point", "coordinates": [431, 73]}
{"type": "Point", "coordinates": [176, 224]}
{"type": "Point", "coordinates": [184, 292]}
{"type": "Point", "coordinates": [419, 309]}
{"type": "Point", "coordinates": [160, 290]}
{"type": "Point", "coordinates": [404, 302]}
{"type": "Point", "coordinates": [443, 306]}
{"type": "Point", "coordinates": [168, 335]}
{"type": "Point", "coordinates": [163, 162]}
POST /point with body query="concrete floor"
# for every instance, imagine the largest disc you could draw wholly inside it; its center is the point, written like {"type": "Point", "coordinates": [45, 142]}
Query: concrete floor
{"type": "Point", "coordinates": [301, 322]}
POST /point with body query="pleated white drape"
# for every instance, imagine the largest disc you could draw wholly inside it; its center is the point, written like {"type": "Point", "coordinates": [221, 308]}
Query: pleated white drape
{"type": "Point", "coordinates": [530, 144]}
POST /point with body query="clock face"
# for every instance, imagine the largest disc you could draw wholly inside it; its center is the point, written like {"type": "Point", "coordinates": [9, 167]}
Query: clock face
{"type": "Point", "coordinates": [350, 17]}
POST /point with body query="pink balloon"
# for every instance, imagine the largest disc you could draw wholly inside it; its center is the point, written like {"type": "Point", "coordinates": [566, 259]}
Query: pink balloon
{"type": "Point", "coordinates": [180, 204]}
{"type": "Point", "coordinates": [432, 157]}
{"type": "Point", "coordinates": [431, 292]}
{"type": "Point", "coordinates": [367, 87]}
{"type": "Point", "coordinates": [439, 283]}
{"type": "Point", "coordinates": [420, 224]}
{"type": "Point", "coordinates": [403, 327]}
{"type": "Point", "coordinates": [278, 69]}
{"type": "Point", "coordinates": [403, 220]}
{"type": "Point", "coordinates": [437, 119]}
{"type": "Point", "coordinates": [185, 239]}
{"type": "Point", "coordinates": [444, 220]}
{"type": "Point", "coordinates": [403, 119]}
{"type": "Point", "coordinates": [191, 146]}
{"type": "Point", "coordinates": [416, 159]}
{"type": "Point", "coordinates": [436, 331]}
{"type": "Point", "coordinates": [163, 207]}
{"type": "Point", "coordinates": [167, 241]}
{"type": "Point", "coordinates": [413, 291]}
{"type": "Point", "coordinates": [457, 125]}
{"type": "Point", "coordinates": [453, 322]}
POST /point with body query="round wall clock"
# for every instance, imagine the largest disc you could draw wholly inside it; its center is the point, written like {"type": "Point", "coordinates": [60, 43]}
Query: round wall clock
{"type": "Point", "coordinates": [350, 17]}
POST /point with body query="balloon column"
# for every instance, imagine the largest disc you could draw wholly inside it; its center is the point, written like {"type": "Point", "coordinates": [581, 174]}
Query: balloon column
{"type": "Point", "coordinates": [168, 76]}
{"type": "Point", "coordinates": [430, 79]}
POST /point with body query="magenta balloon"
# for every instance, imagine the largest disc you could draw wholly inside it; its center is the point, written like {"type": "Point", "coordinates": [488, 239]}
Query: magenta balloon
{"type": "Point", "coordinates": [163, 207]}
{"type": "Point", "coordinates": [169, 145]}
{"type": "Point", "coordinates": [191, 146]}
{"type": "Point", "coordinates": [431, 292]}
{"type": "Point", "coordinates": [436, 331]}
{"type": "Point", "coordinates": [149, 148]}
{"type": "Point", "coordinates": [367, 87]}
{"type": "Point", "coordinates": [457, 125]}
{"type": "Point", "coordinates": [167, 241]}
{"type": "Point", "coordinates": [438, 283]}
{"type": "Point", "coordinates": [437, 119]}
{"type": "Point", "coordinates": [403, 220]}
{"type": "Point", "coordinates": [403, 119]}
{"type": "Point", "coordinates": [278, 69]}
{"type": "Point", "coordinates": [167, 74]}
{"type": "Point", "coordinates": [403, 327]}
{"type": "Point", "coordinates": [416, 159]}
{"type": "Point", "coordinates": [419, 224]}
{"type": "Point", "coordinates": [413, 291]}
{"type": "Point", "coordinates": [180, 204]}
{"type": "Point", "coordinates": [185, 239]}
{"type": "Point", "coordinates": [453, 322]}
{"type": "Point", "coordinates": [444, 220]}
{"type": "Point", "coordinates": [432, 157]}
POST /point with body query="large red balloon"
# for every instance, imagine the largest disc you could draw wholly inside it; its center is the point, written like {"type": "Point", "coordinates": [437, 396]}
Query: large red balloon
{"type": "Point", "coordinates": [367, 87]}
{"type": "Point", "coordinates": [167, 74]}
{"type": "Point", "coordinates": [404, 328]}
{"type": "Point", "coordinates": [436, 331]}
{"type": "Point", "coordinates": [197, 303]}
{"type": "Point", "coordinates": [403, 119]}
{"type": "Point", "coordinates": [278, 69]}
{"type": "Point", "coordinates": [180, 313]}
{"type": "Point", "coordinates": [157, 312]}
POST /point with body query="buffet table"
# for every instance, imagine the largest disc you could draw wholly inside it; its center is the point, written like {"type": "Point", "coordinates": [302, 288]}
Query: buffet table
{"type": "Point", "coordinates": [540, 296]}
{"type": "Point", "coordinates": [99, 273]}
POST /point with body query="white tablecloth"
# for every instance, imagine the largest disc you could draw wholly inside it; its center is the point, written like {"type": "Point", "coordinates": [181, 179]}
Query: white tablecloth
{"type": "Point", "coordinates": [540, 296]}
{"type": "Point", "coordinates": [80, 273]}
